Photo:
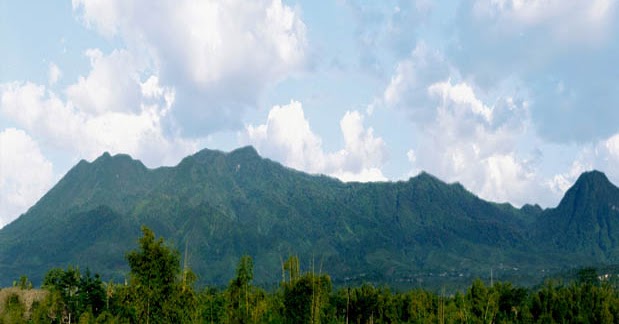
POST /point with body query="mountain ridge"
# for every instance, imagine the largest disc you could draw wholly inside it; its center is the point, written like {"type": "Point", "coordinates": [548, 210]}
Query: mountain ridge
{"type": "Point", "coordinates": [223, 205]}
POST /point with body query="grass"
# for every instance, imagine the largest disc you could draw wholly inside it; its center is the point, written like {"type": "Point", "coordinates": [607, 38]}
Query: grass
{"type": "Point", "coordinates": [26, 297]}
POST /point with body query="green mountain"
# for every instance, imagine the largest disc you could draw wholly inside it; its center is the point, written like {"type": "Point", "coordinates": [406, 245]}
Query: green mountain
{"type": "Point", "coordinates": [216, 207]}
{"type": "Point", "coordinates": [585, 225]}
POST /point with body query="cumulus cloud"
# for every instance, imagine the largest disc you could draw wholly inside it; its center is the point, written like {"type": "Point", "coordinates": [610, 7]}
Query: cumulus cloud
{"type": "Point", "coordinates": [611, 145]}
{"type": "Point", "coordinates": [362, 149]}
{"type": "Point", "coordinates": [561, 182]}
{"type": "Point", "coordinates": [220, 55]}
{"type": "Point", "coordinates": [465, 144]}
{"type": "Point", "coordinates": [461, 95]}
{"type": "Point", "coordinates": [287, 136]}
{"type": "Point", "coordinates": [126, 116]}
{"type": "Point", "coordinates": [547, 45]}
{"type": "Point", "coordinates": [113, 84]}
{"type": "Point", "coordinates": [408, 86]}
{"type": "Point", "coordinates": [465, 133]}
{"type": "Point", "coordinates": [601, 155]}
{"type": "Point", "coordinates": [25, 174]}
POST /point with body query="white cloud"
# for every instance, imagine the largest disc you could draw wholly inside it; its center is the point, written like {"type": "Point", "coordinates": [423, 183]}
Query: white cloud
{"type": "Point", "coordinates": [542, 44]}
{"type": "Point", "coordinates": [464, 143]}
{"type": "Point", "coordinates": [424, 65]}
{"type": "Point", "coordinates": [224, 53]}
{"type": "Point", "coordinates": [38, 111]}
{"type": "Point", "coordinates": [103, 15]}
{"type": "Point", "coordinates": [561, 182]}
{"type": "Point", "coordinates": [112, 84]}
{"type": "Point", "coordinates": [287, 137]}
{"type": "Point", "coordinates": [612, 146]}
{"type": "Point", "coordinates": [365, 175]}
{"type": "Point", "coordinates": [602, 155]}
{"type": "Point", "coordinates": [362, 149]}
{"type": "Point", "coordinates": [54, 74]}
{"type": "Point", "coordinates": [461, 136]}
{"type": "Point", "coordinates": [408, 86]}
{"type": "Point", "coordinates": [25, 174]}
{"type": "Point", "coordinates": [607, 157]}
{"type": "Point", "coordinates": [507, 178]}
{"type": "Point", "coordinates": [461, 95]}
{"type": "Point", "coordinates": [88, 129]}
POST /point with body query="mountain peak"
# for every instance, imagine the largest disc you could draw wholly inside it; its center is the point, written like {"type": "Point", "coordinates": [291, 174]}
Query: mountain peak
{"type": "Point", "coordinates": [425, 176]}
{"type": "Point", "coordinates": [585, 217]}
{"type": "Point", "coordinates": [591, 193]}
{"type": "Point", "coordinates": [107, 157]}
{"type": "Point", "coordinates": [593, 177]}
{"type": "Point", "coordinates": [245, 149]}
{"type": "Point", "coordinates": [589, 186]}
{"type": "Point", "coordinates": [246, 152]}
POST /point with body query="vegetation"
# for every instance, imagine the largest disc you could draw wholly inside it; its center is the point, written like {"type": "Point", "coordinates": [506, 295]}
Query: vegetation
{"type": "Point", "coordinates": [160, 291]}
{"type": "Point", "coordinates": [219, 206]}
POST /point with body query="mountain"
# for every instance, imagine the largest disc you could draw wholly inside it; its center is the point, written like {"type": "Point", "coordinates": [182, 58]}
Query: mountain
{"type": "Point", "coordinates": [219, 206]}
{"type": "Point", "coordinates": [585, 225]}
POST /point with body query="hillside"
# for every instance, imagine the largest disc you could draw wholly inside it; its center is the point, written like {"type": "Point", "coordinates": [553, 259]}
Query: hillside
{"type": "Point", "coordinates": [585, 225]}
{"type": "Point", "coordinates": [218, 206]}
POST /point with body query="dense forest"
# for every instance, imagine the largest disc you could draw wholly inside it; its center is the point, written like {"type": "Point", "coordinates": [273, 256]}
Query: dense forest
{"type": "Point", "coordinates": [160, 289]}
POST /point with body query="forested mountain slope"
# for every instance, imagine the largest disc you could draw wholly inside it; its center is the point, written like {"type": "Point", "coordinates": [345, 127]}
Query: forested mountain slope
{"type": "Point", "coordinates": [218, 206]}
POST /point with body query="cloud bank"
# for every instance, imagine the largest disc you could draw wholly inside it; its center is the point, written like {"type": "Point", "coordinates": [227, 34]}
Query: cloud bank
{"type": "Point", "coordinates": [287, 136]}
{"type": "Point", "coordinates": [219, 55]}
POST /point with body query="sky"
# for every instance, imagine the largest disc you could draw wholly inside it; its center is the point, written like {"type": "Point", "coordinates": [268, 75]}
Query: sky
{"type": "Point", "coordinates": [513, 99]}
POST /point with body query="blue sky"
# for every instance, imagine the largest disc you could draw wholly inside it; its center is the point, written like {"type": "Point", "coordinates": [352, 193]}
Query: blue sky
{"type": "Point", "coordinates": [512, 98]}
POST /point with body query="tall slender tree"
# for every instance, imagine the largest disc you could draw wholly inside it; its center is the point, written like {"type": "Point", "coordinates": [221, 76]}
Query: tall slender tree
{"type": "Point", "coordinates": [155, 279]}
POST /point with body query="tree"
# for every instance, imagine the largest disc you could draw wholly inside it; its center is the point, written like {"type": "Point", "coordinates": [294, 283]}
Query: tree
{"type": "Point", "coordinates": [75, 293]}
{"type": "Point", "coordinates": [91, 295]}
{"type": "Point", "coordinates": [511, 302]}
{"type": "Point", "coordinates": [483, 302]}
{"type": "Point", "coordinates": [362, 303]}
{"type": "Point", "coordinates": [23, 283]}
{"type": "Point", "coordinates": [154, 278]}
{"type": "Point", "coordinates": [588, 276]}
{"type": "Point", "coordinates": [246, 303]}
{"type": "Point", "coordinates": [306, 296]}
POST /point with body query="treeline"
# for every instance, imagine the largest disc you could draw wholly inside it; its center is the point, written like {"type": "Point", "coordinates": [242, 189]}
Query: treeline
{"type": "Point", "coordinates": [159, 290]}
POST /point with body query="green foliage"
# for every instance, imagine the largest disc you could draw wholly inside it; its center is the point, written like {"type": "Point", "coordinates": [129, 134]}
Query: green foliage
{"type": "Point", "coordinates": [305, 296]}
{"type": "Point", "coordinates": [212, 306]}
{"type": "Point", "coordinates": [159, 292]}
{"type": "Point", "coordinates": [244, 302]}
{"type": "Point", "coordinates": [23, 283]}
{"type": "Point", "coordinates": [73, 294]}
{"type": "Point", "coordinates": [13, 310]}
{"type": "Point", "coordinates": [228, 204]}
{"type": "Point", "coordinates": [363, 304]}
{"type": "Point", "coordinates": [588, 276]}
